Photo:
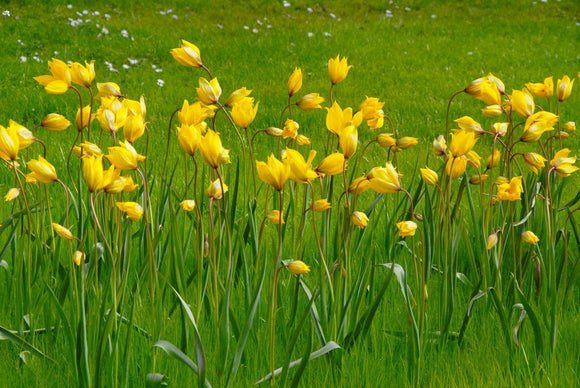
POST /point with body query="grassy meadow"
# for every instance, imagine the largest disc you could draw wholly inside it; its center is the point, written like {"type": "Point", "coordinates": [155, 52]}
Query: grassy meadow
{"type": "Point", "coordinates": [208, 296]}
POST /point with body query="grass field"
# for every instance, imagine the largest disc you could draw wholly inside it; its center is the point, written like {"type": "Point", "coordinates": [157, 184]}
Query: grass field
{"type": "Point", "coordinates": [413, 56]}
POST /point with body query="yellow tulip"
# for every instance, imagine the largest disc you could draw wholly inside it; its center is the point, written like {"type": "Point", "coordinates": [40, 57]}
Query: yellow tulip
{"type": "Point", "coordinates": [310, 101]}
{"type": "Point", "coordinates": [276, 217]}
{"type": "Point", "coordinates": [493, 159]}
{"type": "Point", "coordinates": [212, 150]}
{"type": "Point", "coordinates": [492, 111]}
{"type": "Point", "coordinates": [25, 136]}
{"type": "Point", "coordinates": [298, 267]}
{"type": "Point", "coordinates": [370, 108]}
{"type": "Point", "coordinates": [384, 179]}
{"type": "Point", "coordinates": [562, 164]}
{"type": "Point", "coordinates": [83, 117]}
{"type": "Point", "coordinates": [386, 140]}
{"type": "Point", "coordinates": [187, 205]}
{"type": "Point", "coordinates": [440, 146]}
{"type": "Point", "coordinates": [406, 228]}
{"type": "Point", "coordinates": [545, 89]}
{"type": "Point", "coordinates": [11, 194]}
{"type": "Point", "coordinates": [470, 125]}
{"type": "Point", "coordinates": [455, 167]}
{"type": "Point", "coordinates": [290, 129]}
{"type": "Point", "coordinates": [477, 179]}
{"type": "Point", "coordinates": [275, 132]}
{"type": "Point", "coordinates": [90, 148]}
{"type": "Point", "coordinates": [134, 128]}
{"type": "Point", "coordinates": [570, 126]}
{"type": "Point", "coordinates": [209, 92]}
{"type": "Point", "coordinates": [300, 169]}
{"type": "Point", "coordinates": [511, 191]}
{"type": "Point", "coordinates": [500, 180]}
{"type": "Point", "coordinates": [491, 241]}
{"type": "Point", "coordinates": [215, 190]}
{"type": "Point", "coordinates": [135, 107]}
{"type": "Point", "coordinates": [93, 172]}
{"type": "Point", "coordinates": [429, 176]}
{"type": "Point", "coordinates": [564, 88]}
{"type": "Point", "coordinates": [42, 170]}
{"type": "Point", "coordinates": [348, 140]}
{"type": "Point", "coordinates": [338, 69]}
{"type": "Point", "coordinates": [9, 144]}
{"type": "Point", "coordinates": [244, 111]}
{"type": "Point", "coordinates": [529, 237]}
{"type": "Point", "coordinates": [534, 161]}
{"type": "Point", "coordinates": [497, 82]}
{"type": "Point", "coordinates": [462, 142]}
{"type": "Point", "coordinates": [195, 113]}
{"type": "Point", "coordinates": [500, 129]}
{"type": "Point", "coordinates": [83, 75]}
{"type": "Point", "coordinates": [320, 205]}
{"type": "Point", "coordinates": [302, 140]}
{"type": "Point", "coordinates": [60, 80]}
{"type": "Point", "coordinates": [295, 81]}
{"type": "Point", "coordinates": [333, 164]}
{"type": "Point", "coordinates": [62, 231]}
{"type": "Point", "coordinates": [274, 173]}
{"type": "Point", "coordinates": [338, 119]}
{"type": "Point", "coordinates": [406, 142]}
{"type": "Point", "coordinates": [237, 96]}
{"type": "Point", "coordinates": [489, 94]}
{"type": "Point", "coordinates": [55, 122]}
{"type": "Point", "coordinates": [377, 121]}
{"type": "Point", "coordinates": [108, 89]}
{"type": "Point", "coordinates": [78, 258]}
{"type": "Point", "coordinates": [133, 210]}
{"type": "Point", "coordinates": [189, 137]}
{"type": "Point", "coordinates": [359, 185]}
{"type": "Point", "coordinates": [187, 55]}
{"type": "Point", "coordinates": [537, 124]}
{"type": "Point", "coordinates": [522, 102]}
{"type": "Point", "coordinates": [115, 184]}
{"type": "Point", "coordinates": [360, 219]}
{"type": "Point", "coordinates": [124, 157]}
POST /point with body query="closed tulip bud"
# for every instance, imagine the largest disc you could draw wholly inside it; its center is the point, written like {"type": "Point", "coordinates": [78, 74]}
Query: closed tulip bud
{"type": "Point", "coordinates": [134, 128]}
{"type": "Point", "coordinates": [83, 117]}
{"type": "Point", "coordinates": [462, 142]}
{"type": "Point", "coordinates": [561, 135]}
{"type": "Point", "coordinates": [133, 210]}
{"type": "Point", "coordinates": [124, 157]}
{"type": "Point", "coordinates": [187, 205]}
{"type": "Point", "coordinates": [529, 237]}
{"type": "Point", "coordinates": [500, 129]}
{"type": "Point", "coordinates": [55, 122]}
{"type": "Point", "coordinates": [338, 69]}
{"type": "Point", "coordinates": [492, 111]}
{"type": "Point", "coordinates": [570, 126]}
{"type": "Point", "coordinates": [348, 141]}
{"type": "Point", "coordinates": [187, 55]}
{"type": "Point", "coordinates": [42, 170]}
{"type": "Point", "coordinates": [477, 179]}
{"type": "Point", "coordinates": [491, 241]}
{"type": "Point", "coordinates": [275, 132]}
{"type": "Point", "coordinates": [244, 112]}
{"type": "Point", "coordinates": [320, 205]}
{"type": "Point", "coordinates": [489, 94]}
{"type": "Point", "coordinates": [359, 185]}
{"type": "Point", "coordinates": [564, 88]}
{"type": "Point", "coordinates": [12, 194]}
{"type": "Point", "coordinates": [500, 180]}
{"type": "Point", "coordinates": [429, 176]}
{"type": "Point", "coordinates": [209, 92]}
{"type": "Point", "coordinates": [386, 140]}
{"type": "Point", "coordinates": [534, 161]}
{"type": "Point", "coordinates": [237, 96]}
{"type": "Point", "coordinates": [440, 146]}
{"type": "Point", "coordinates": [9, 144]}
{"type": "Point", "coordinates": [360, 219]}
{"type": "Point", "coordinates": [108, 89]}
{"type": "Point", "coordinates": [522, 102]}
{"type": "Point", "coordinates": [276, 217]}
{"type": "Point", "coordinates": [406, 228]}
{"type": "Point", "coordinates": [78, 258]}
{"type": "Point", "coordinates": [212, 150]}
{"type": "Point", "coordinates": [83, 75]}
{"type": "Point", "coordinates": [290, 129]}
{"type": "Point", "coordinates": [493, 159]}
{"type": "Point", "coordinates": [295, 82]}
{"type": "Point", "coordinates": [310, 101]}
{"type": "Point", "coordinates": [189, 137]}
{"type": "Point", "coordinates": [333, 164]}
{"type": "Point", "coordinates": [63, 232]}
{"type": "Point", "coordinates": [407, 142]}
{"type": "Point", "coordinates": [297, 267]}
{"type": "Point", "coordinates": [93, 172]}
{"type": "Point", "coordinates": [302, 140]}
{"type": "Point", "coordinates": [455, 167]}
{"type": "Point", "coordinates": [562, 164]}
{"type": "Point", "coordinates": [215, 189]}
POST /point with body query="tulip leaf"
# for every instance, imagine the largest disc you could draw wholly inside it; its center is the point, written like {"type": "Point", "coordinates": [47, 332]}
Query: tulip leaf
{"type": "Point", "coordinates": [11, 336]}
{"type": "Point", "coordinates": [173, 351]}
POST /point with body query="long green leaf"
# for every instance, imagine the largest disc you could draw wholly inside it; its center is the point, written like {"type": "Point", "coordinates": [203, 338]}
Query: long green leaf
{"type": "Point", "coordinates": [173, 351]}
{"type": "Point", "coordinates": [9, 335]}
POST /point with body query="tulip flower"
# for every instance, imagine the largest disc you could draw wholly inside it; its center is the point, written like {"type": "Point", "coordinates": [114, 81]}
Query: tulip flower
{"type": "Point", "coordinates": [60, 80]}
{"type": "Point", "coordinates": [212, 150]}
{"type": "Point", "coordinates": [338, 69]}
{"type": "Point", "coordinates": [534, 161]}
{"type": "Point", "coordinates": [55, 122]}
{"type": "Point", "coordinates": [124, 157]}
{"type": "Point", "coordinates": [276, 217]}
{"type": "Point", "coordinates": [78, 258]}
{"type": "Point", "coordinates": [529, 237]}
{"type": "Point", "coordinates": [348, 140]}
{"type": "Point", "coordinates": [237, 96]}
{"type": "Point", "coordinates": [195, 113]}
{"type": "Point", "coordinates": [134, 128]}
{"type": "Point", "coordinates": [320, 205]}
{"type": "Point", "coordinates": [83, 117]}
{"type": "Point", "coordinates": [93, 171]}
{"type": "Point", "coordinates": [562, 164]}
{"type": "Point", "coordinates": [133, 210]}
{"type": "Point", "coordinates": [83, 75]}
{"type": "Point", "coordinates": [115, 184]}
{"type": "Point", "coordinates": [187, 55]}
{"type": "Point", "coordinates": [384, 179]}
{"type": "Point", "coordinates": [359, 219]}
{"type": "Point", "coordinates": [42, 170]}
{"type": "Point", "coordinates": [359, 185]}
{"type": "Point", "coordinates": [90, 148]}
{"type": "Point", "coordinates": [489, 94]}
{"type": "Point", "coordinates": [492, 111]}
{"type": "Point", "coordinates": [300, 170]}
{"type": "Point", "coordinates": [189, 137]}
{"type": "Point", "coordinates": [406, 142]}
{"type": "Point", "coordinates": [564, 88]}
{"type": "Point", "coordinates": [377, 121]}
{"type": "Point", "coordinates": [25, 136]}
{"type": "Point", "coordinates": [477, 179]}
{"type": "Point", "coordinates": [338, 119]}
{"type": "Point", "coordinates": [108, 89]}
{"type": "Point", "coordinates": [310, 101]}
{"type": "Point", "coordinates": [290, 129]}
{"type": "Point", "coordinates": [493, 159]}
{"type": "Point", "coordinates": [135, 107]}
{"type": "Point", "coordinates": [406, 228]}
{"type": "Point", "coordinates": [274, 173]}
{"type": "Point", "coordinates": [62, 231]}
{"type": "Point", "coordinates": [275, 132]}
{"type": "Point", "coordinates": [209, 92]}
{"type": "Point", "coordinates": [297, 267]}
{"type": "Point", "coordinates": [11, 194]}
{"type": "Point", "coordinates": [462, 142]}
{"type": "Point", "coordinates": [295, 82]}
{"type": "Point", "coordinates": [370, 107]}
{"type": "Point", "coordinates": [570, 126]}
{"type": "Point", "coordinates": [522, 102]}
{"type": "Point", "coordinates": [491, 241]}
{"type": "Point", "coordinates": [187, 205]}
{"type": "Point", "coordinates": [429, 176]}
{"type": "Point", "coordinates": [215, 190]}
{"type": "Point", "coordinates": [500, 129]}
{"type": "Point", "coordinates": [511, 191]}
{"type": "Point", "coordinates": [302, 140]}
{"type": "Point", "coordinates": [455, 167]}
{"type": "Point", "coordinates": [545, 89]}
{"type": "Point", "coordinates": [537, 124]}
{"type": "Point", "coordinates": [386, 140]}
{"type": "Point", "coordinates": [9, 144]}
{"type": "Point", "coordinates": [333, 164]}
{"type": "Point", "coordinates": [440, 146]}
{"type": "Point", "coordinates": [244, 111]}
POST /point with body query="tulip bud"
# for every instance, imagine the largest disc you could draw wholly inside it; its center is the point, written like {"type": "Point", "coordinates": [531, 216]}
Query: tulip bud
{"type": "Point", "coordinates": [570, 126]}
{"type": "Point", "coordinates": [78, 258]}
{"type": "Point", "coordinates": [83, 118]}
{"type": "Point", "coordinates": [297, 267]}
{"type": "Point", "coordinates": [276, 217]}
{"type": "Point", "coordinates": [407, 142]}
{"type": "Point", "coordinates": [333, 164]}
{"type": "Point", "coordinates": [273, 131]}
{"type": "Point", "coordinates": [12, 194]}
{"type": "Point", "coordinates": [187, 205]}
{"type": "Point", "coordinates": [477, 179]}
{"type": "Point", "coordinates": [440, 146]}
{"type": "Point", "coordinates": [564, 88]}
{"type": "Point", "coordinates": [310, 101]}
{"type": "Point", "coordinates": [492, 111]}
{"type": "Point", "coordinates": [429, 176]}
{"type": "Point", "coordinates": [491, 241]}
{"type": "Point", "coordinates": [187, 55]}
{"type": "Point", "coordinates": [360, 219]}
{"type": "Point", "coordinates": [133, 210]}
{"type": "Point", "coordinates": [529, 237]}
{"type": "Point", "coordinates": [320, 205]}
{"type": "Point", "coordinates": [55, 122]}
{"type": "Point", "coordinates": [406, 228]}
{"type": "Point", "coordinates": [295, 82]}
{"type": "Point", "coordinates": [63, 232]}
{"type": "Point", "coordinates": [386, 140]}
{"type": "Point", "coordinates": [493, 159]}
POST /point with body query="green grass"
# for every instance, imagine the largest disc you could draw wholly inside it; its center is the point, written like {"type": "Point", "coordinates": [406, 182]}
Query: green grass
{"type": "Point", "coordinates": [412, 61]}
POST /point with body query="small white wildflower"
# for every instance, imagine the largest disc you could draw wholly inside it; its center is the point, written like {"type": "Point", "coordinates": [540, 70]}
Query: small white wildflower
{"type": "Point", "coordinates": [309, 10]}
{"type": "Point", "coordinates": [169, 11]}
{"type": "Point", "coordinates": [79, 14]}
{"type": "Point", "coordinates": [286, 4]}
{"type": "Point", "coordinates": [107, 16]}
{"type": "Point", "coordinates": [96, 13]}
{"type": "Point", "coordinates": [246, 28]}
{"type": "Point", "coordinates": [220, 26]}
{"type": "Point", "coordinates": [162, 13]}
{"type": "Point", "coordinates": [85, 12]}
{"type": "Point", "coordinates": [158, 70]}
{"type": "Point", "coordinates": [124, 34]}
{"type": "Point", "coordinates": [6, 13]}
{"type": "Point", "coordinates": [160, 83]}
{"type": "Point", "coordinates": [326, 33]}
{"type": "Point", "coordinates": [154, 66]}
{"type": "Point", "coordinates": [407, 9]}
{"type": "Point", "coordinates": [269, 26]}
{"type": "Point", "coordinates": [37, 59]}
{"type": "Point", "coordinates": [133, 61]}
{"type": "Point", "coordinates": [174, 17]}
{"type": "Point", "coordinates": [56, 53]}
{"type": "Point", "coordinates": [469, 53]}
{"type": "Point", "coordinates": [255, 30]}
{"type": "Point", "coordinates": [69, 6]}
{"type": "Point", "coordinates": [332, 15]}
{"type": "Point", "coordinates": [126, 67]}
{"type": "Point", "coordinates": [259, 22]}
{"type": "Point", "coordinates": [433, 16]}
{"type": "Point", "coordinates": [23, 59]}
{"type": "Point", "coordinates": [105, 31]}
{"type": "Point", "coordinates": [310, 35]}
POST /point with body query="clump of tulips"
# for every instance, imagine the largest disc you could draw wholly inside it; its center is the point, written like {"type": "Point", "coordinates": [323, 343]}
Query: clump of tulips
{"type": "Point", "coordinates": [307, 230]}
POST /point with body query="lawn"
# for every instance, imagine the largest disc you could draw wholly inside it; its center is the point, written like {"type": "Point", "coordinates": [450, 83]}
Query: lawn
{"type": "Point", "coordinates": [211, 287]}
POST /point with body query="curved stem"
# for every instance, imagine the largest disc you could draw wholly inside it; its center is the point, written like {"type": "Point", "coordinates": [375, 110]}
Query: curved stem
{"type": "Point", "coordinates": [168, 140]}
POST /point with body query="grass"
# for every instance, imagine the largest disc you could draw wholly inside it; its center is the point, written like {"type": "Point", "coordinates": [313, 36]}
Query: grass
{"type": "Point", "coordinates": [414, 61]}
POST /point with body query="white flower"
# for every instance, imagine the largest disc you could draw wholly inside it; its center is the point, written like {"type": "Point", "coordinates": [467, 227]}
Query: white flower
{"type": "Point", "coordinates": [160, 83]}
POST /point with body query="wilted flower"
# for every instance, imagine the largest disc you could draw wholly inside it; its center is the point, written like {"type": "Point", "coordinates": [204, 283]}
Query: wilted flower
{"type": "Point", "coordinates": [406, 228]}
{"type": "Point", "coordinates": [187, 205]}
{"type": "Point", "coordinates": [78, 258]}
{"type": "Point", "coordinates": [290, 129]}
{"type": "Point", "coordinates": [12, 194]}
{"type": "Point", "coordinates": [440, 146]}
